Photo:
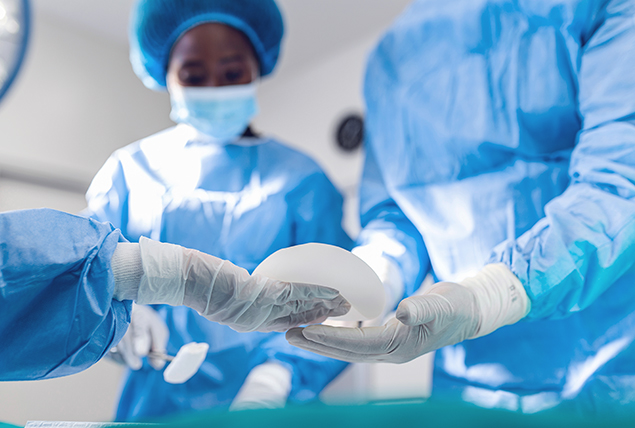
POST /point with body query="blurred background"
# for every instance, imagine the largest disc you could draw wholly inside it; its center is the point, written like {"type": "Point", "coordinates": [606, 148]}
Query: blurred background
{"type": "Point", "coordinates": [77, 100]}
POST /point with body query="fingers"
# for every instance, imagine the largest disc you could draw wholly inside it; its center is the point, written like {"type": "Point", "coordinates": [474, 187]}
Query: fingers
{"type": "Point", "coordinates": [141, 340]}
{"type": "Point", "coordinates": [125, 349]}
{"type": "Point", "coordinates": [300, 291]}
{"type": "Point", "coordinates": [147, 332]}
{"type": "Point", "coordinates": [367, 340]}
{"type": "Point", "coordinates": [280, 318]}
{"type": "Point", "coordinates": [258, 303]}
{"type": "Point", "coordinates": [339, 307]}
{"type": "Point", "coordinates": [296, 338]}
{"type": "Point", "coordinates": [284, 323]}
{"type": "Point", "coordinates": [421, 309]}
{"type": "Point", "coordinates": [156, 363]}
{"type": "Point", "coordinates": [295, 313]}
{"type": "Point", "coordinates": [138, 333]}
{"type": "Point", "coordinates": [332, 308]}
{"type": "Point", "coordinates": [320, 312]}
{"type": "Point", "coordinates": [159, 334]}
{"type": "Point", "coordinates": [389, 343]}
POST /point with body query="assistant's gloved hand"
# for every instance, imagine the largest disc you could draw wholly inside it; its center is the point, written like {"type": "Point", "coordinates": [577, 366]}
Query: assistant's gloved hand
{"type": "Point", "coordinates": [267, 387]}
{"type": "Point", "coordinates": [219, 290]}
{"type": "Point", "coordinates": [446, 314]}
{"type": "Point", "coordinates": [147, 332]}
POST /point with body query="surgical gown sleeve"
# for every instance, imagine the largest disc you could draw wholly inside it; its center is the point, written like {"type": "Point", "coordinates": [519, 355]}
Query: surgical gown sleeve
{"type": "Point", "coordinates": [57, 314]}
{"type": "Point", "coordinates": [387, 227]}
{"type": "Point", "coordinates": [317, 208]}
{"type": "Point", "coordinates": [586, 241]}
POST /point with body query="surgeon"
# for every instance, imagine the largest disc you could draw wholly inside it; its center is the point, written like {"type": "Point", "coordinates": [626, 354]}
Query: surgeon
{"type": "Point", "coordinates": [214, 184]}
{"type": "Point", "coordinates": [501, 160]}
{"type": "Point", "coordinates": [67, 284]}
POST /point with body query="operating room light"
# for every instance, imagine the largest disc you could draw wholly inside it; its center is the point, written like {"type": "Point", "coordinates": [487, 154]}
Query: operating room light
{"type": "Point", "coordinates": [14, 15]}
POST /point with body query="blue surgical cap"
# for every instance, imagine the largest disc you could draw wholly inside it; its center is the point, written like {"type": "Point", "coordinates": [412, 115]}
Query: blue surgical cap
{"type": "Point", "coordinates": [157, 24]}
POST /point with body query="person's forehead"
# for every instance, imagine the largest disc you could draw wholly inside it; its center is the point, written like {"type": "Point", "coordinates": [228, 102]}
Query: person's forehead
{"type": "Point", "coordinates": [210, 38]}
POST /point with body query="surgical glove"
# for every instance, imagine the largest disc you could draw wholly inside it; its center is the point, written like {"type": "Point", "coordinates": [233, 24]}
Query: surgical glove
{"type": "Point", "coordinates": [267, 387]}
{"type": "Point", "coordinates": [147, 332]}
{"type": "Point", "coordinates": [446, 314]}
{"type": "Point", "coordinates": [225, 293]}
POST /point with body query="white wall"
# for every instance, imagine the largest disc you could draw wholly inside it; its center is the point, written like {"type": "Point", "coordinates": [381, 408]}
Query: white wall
{"type": "Point", "coordinates": [77, 100]}
{"type": "Point", "coordinates": [16, 195]}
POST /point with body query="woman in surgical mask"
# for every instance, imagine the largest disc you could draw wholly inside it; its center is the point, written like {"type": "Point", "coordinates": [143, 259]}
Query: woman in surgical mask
{"type": "Point", "coordinates": [211, 183]}
{"type": "Point", "coordinates": [212, 79]}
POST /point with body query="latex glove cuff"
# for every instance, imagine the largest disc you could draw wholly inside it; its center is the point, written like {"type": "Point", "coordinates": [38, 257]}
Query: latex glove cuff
{"type": "Point", "coordinates": [127, 270]}
{"type": "Point", "coordinates": [501, 298]}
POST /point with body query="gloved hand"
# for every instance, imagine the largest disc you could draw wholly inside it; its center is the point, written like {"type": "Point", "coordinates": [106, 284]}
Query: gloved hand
{"type": "Point", "coordinates": [147, 332]}
{"type": "Point", "coordinates": [267, 387]}
{"type": "Point", "coordinates": [221, 291]}
{"type": "Point", "coordinates": [446, 314]}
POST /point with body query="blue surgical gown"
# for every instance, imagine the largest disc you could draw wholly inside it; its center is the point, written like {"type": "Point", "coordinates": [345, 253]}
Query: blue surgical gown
{"type": "Point", "coordinates": [504, 131]}
{"type": "Point", "coordinates": [57, 314]}
{"type": "Point", "coordinates": [240, 202]}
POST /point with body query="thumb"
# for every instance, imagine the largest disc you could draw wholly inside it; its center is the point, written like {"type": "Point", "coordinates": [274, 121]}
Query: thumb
{"type": "Point", "coordinates": [420, 309]}
{"type": "Point", "coordinates": [142, 343]}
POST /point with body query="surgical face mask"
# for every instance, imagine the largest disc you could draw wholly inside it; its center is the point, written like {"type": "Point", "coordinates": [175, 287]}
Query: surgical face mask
{"type": "Point", "coordinates": [222, 113]}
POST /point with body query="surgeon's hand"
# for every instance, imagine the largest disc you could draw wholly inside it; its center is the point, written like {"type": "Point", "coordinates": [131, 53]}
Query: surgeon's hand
{"type": "Point", "coordinates": [227, 294]}
{"type": "Point", "coordinates": [223, 292]}
{"type": "Point", "coordinates": [147, 332]}
{"type": "Point", "coordinates": [446, 314]}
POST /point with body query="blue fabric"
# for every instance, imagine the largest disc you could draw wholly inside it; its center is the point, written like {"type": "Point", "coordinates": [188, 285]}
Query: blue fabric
{"type": "Point", "coordinates": [240, 202]}
{"type": "Point", "coordinates": [157, 24]}
{"type": "Point", "coordinates": [56, 285]}
{"type": "Point", "coordinates": [504, 131]}
{"type": "Point", "coordinates": [223, 112]}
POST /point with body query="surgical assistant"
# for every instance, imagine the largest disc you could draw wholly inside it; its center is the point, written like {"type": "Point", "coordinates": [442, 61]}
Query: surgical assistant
{"type": "Point", "coordinates": [213, 184]}
{"type": "Point", "coordinates": [501, 159]}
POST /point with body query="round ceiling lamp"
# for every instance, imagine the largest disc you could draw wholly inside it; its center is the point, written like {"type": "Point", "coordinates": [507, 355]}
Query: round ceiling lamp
{"type": "Point", "coordinates": [14, 35]}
